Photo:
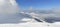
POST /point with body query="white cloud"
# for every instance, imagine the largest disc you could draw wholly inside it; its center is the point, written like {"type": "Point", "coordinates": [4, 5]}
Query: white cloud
{"type": "Point", "coordinates": [9, 11]}
{"type": "Point", "coordinates": [8, 7]}
{"type": "Point", "coordinates": [50, 14]}
{"type": "Point", "coordinates": [2, 2]}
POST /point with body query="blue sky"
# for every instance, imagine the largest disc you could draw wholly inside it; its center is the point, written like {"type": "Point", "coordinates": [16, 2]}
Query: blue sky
{"type": "Point", "coordinates": [39, 4]}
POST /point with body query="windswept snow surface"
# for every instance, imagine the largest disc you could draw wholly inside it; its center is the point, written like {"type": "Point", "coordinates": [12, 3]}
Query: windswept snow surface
{"type": "Point", "coordinates": [31, 24]}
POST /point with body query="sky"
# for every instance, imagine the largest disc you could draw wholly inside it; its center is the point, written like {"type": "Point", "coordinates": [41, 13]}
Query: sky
{"type": "Point", "coordinates": [10, 12]}
{"type": "Point", "coordinates": [39, 4]}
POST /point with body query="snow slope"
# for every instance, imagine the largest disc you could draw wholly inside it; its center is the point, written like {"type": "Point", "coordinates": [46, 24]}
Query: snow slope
{"type": "Point", "coordinates": [30, 24]}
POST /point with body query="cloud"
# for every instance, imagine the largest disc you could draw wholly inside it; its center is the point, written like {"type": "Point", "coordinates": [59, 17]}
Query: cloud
{"type": "Point", "coordinates": [1, 2]}
{"type": "Point", "coordinates": [9, 11]}
{"type": "Point", "coordinates": [46, 15]}
{"type": "Point", "coordinates": [8, 7]}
